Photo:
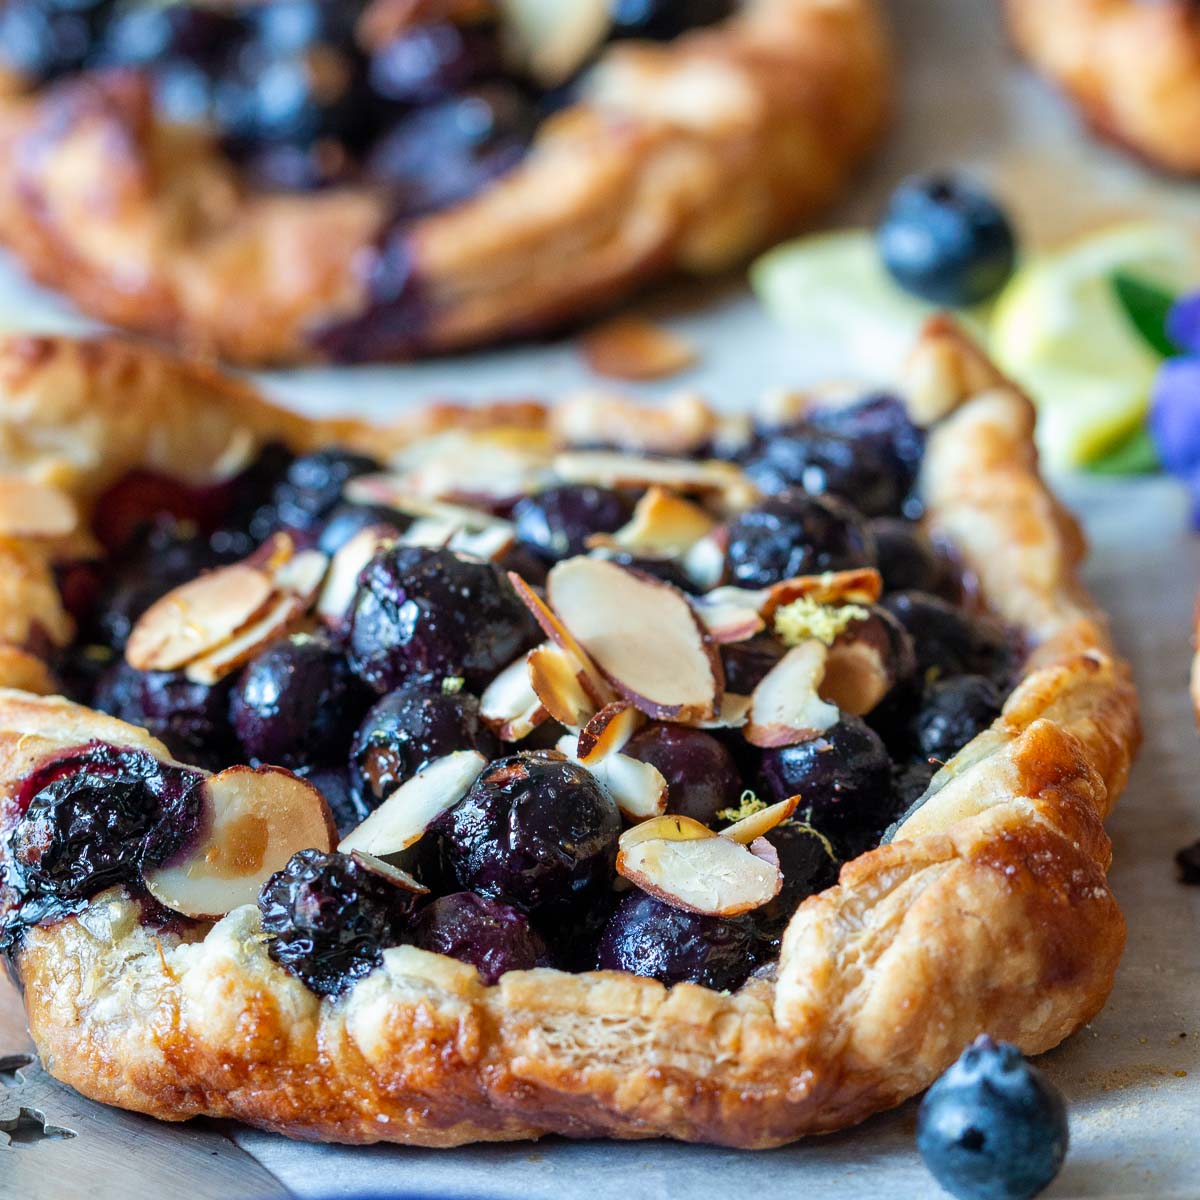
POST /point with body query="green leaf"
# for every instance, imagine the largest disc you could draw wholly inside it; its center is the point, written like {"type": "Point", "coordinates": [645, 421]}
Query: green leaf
{"type": "Point", "coordinates": [1146, 305]}
{"type": "Point", "coordinates": [1133, 455]}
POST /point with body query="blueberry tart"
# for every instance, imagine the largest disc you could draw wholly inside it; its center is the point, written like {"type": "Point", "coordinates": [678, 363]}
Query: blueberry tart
{"type": "Point", "coordinates": [355, 180]}
{"type": "Point", "coordinates": [1131, 68]}
{"type": "Point", "coordinates": [528, 770]}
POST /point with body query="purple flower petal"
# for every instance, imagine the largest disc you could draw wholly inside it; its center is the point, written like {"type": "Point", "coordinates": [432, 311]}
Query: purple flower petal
{"type": "Point", "coordinates": [1183, 323]}
{"type": "Point", "coordinates": [1175, 415]}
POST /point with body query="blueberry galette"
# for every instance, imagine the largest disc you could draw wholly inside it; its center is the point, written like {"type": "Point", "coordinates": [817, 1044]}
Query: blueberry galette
{"type": "Point", "coordinates": [1131, 66]}
{"type": "Point", "coordinates": [371, 179]}
{"type": "Point", "coordinates": [588, 769]}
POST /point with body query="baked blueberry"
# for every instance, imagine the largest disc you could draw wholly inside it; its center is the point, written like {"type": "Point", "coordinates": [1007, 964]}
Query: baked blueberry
{"type": "Point", "coordinates": [348, 808]}
{"type": "Point", "coordinates": [492, 936]}
{"type": "Point", "coordinates": [192, 719]}
{"type": "Point", "coordinates": [809, 865]}
{"type": "Point", "coordinates": [663, 20]}
{"type": "Point", "coordinates": [535, 830]}
{"type": "Point", "coordinates": [947, 241]}
{"type": "Point", "coordinates": [421, 613]}
{"type": "Point", "coordinates": [910, 783]}
{"type": "Point", "coordinates": [745, 663]}
{"type": "Point", "coordinates": [297, 702]}
{"type": "Point", "coordinates": [953, 711]}
{"type": "Point", "coordinates": [45, 40]}
{"type": "Point", "coordinates": [94, 819]}
{"type": "Point", "coordinates": [666, 569]}
{"type": "Point", "coordinates": [645, 936]}
{"type": "Point", "coordinates": [329, 919]}
{"type": "Point", "coordinates": [432, 61]}
{"type": "Point", "coordinates": [344, 521]}
{"type": "Point", "coordinates": [947, 641]}
{"type": "Point", "coordinates": [408, 729]}
{"type": "Point", "coordinates": [701, 775]}
{"type": "Point", "coordinates": [312, 487]}
{"type": "Point", "coordinates": [795, 534]}
{"type": "Point", "coordinates": [557, 522]}
{"type": "Point", "coordinates": [843, 779]}
{"type": "Point", "coordinates": [993, 1127]}
{"type": "Point", "coordinates": [906, 557]}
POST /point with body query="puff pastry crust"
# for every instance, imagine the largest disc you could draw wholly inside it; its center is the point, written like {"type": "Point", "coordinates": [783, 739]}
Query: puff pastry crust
{"type": "Point", "coordinates": [679, 157]}
{"type": "Point", "coordinates": [989, 909]}
{"type": "Point", "coordinates": [1131, 67]}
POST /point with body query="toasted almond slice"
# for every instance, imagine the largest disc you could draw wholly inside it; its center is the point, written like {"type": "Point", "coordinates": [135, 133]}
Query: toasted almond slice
{"type": "Point", "coordinates": [633, 348]}
{"type": "Point", "coordinates": [388, 490]}
{"type": "Point", "coordinates": [608, 731]}
{"type": "Point", "coordinates": [731, 614]}
{"type": "Point", "coordinates": [786, 707]}
{"type": "Point", "coordinates": [341, 580]}
{"type": "Point", "coordinates": [510, 706]}
{"type": "Point", "coordinates": [198, 617]}
{"type": "Point", "coordinates": [491, 544]}
{"type": "Point", "coordinates": [663, 525]}
{"type": "Point", "coordinates": [552, 40]}
{"type": "Point", "coordinates": [404, 816]}
{"type": "Point", "coordinates": [763, 821]}
{"type": "Point", "coordinates": [638, 789]}
{"type": "Point", "coordinates": [302, 575]}
{"type": "Point", "coordinates": [394, 875]}
{"type": "Point", "coordinates": [683, 424]}
{"type": "Point", "coordinates": [670, 827]}
{"type": "Point", "coordinates": [252, 820]}
{"type": "Point", "coordinates": [713, 875]}
{"type": "Point", "coordinates": [643, 636]}
{"type": "Point", "coordinates": [29, 509]}
{"type": "Point", "coordinates": [497, 465]}
{"type": "Point", "coordinates": [763, 849]}
{"type": "Point", "coordinates": [611, 468]}
{"type": "Point", "coordinates": [429, 532]}
{"type": "Point", "coordinates": [735, 711]}
{"type": "Point", "coordinates": [592, 680]}
{"type": "Point", "coordinates": [857, 676]}
{"type": "Point", "coordinates": [555, 680]}
{"type": "Point", "coordinates": [286, 614]}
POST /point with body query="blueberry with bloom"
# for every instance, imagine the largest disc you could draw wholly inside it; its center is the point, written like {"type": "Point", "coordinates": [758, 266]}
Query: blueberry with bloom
{"type": "Point", "coordinates": [1175, 404]}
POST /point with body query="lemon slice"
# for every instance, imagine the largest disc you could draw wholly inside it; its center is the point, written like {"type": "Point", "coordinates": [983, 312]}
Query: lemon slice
{"type": "Point", "coordinates": [832, 289]}
{"type": "Point", "coordinates": [1058, 329]}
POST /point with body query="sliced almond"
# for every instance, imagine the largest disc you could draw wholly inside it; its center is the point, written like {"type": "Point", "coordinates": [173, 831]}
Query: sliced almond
{"type": "Point", "coordinates": [634, 348]}
{"type": "Point", "coordinates": [430, 533]}
{"type": "Point", "coordinates": [713, 875]}
{"type": "Point", "coordinates": [388, 491]}
{"type": "Point", "coordinates": [684, 424]}
{"type": "Point", "coordinates": [29, 509]}
{"type": "Point", "coordinates": [786, 707]}
{"type": "Point", "coordinates": [496, 466]}
{"type": "Point", "coordinates": [407, 813]}
{"type": "Point", "coordinates": [608, 732]}
{"type": "Point", "coordinates": [703, 477]}
{"type": "Point", "coordinates": [763, 821]}
{"type": "Point", "coordinates": [638, 789]}
{"type": "Point", "coordinates": [552, 40]}
{"type": "Point", "coordinates": [490, 544]}
{"type": "Point", "coordinates": [198, 617]}
{"type": "Point", "coordinates": [643, 636]}
{"type": "Point", "coordinates": [302, 575]}
{"type": "Point", "coordinates": [663, 525]}
{"type": "Point", "coordinates": [252, 821]}
{"type": "Point", "coordinates": [510, 706]}
{"type": "Point", "coordinates": [285, 615]}
{"type": "Point", "coordinates": [704, 563]}
{"type": "Point", "coordinates": [732, 614]}
{"type": "Point", "coordinates": [857, 676]}
{"type": "Point", "coordinates": [672, 828]}
{"type": "Point", "coordinates": [385, 870]}
{"type": "Point", "coordinates": [735, 711]}
{"type": "Point", "coordinates": [555, 680]}
{"type": "Point", "coordinates": [341, 580]}
{"type": "Point", "coordinates": [591, 679]}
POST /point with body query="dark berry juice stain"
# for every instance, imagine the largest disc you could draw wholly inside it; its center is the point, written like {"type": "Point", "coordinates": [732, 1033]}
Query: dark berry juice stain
{"type": "Point", "coordinates": [11, 1066]}
{"type": "Point", "coordinates": [29, 1127]}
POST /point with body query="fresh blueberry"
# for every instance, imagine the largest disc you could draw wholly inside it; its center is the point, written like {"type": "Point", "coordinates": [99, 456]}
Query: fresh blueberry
{"type": "Point", "coordinates": [535, 830]}
{"type": "Point", "coordinates": [701, 775]}
{"type": "Point", "coordinates": [993, 1127]}
{"type": "Point", "coordinates": [348, 808]}
{"type": "Point", "coordinates": [647, 937]}
{"type": "Point", "coordinates": [557, 522]}
{"type": "Point", "coordinates": [795, 534]}
{"type": "Point", "coordinates": [297, 702]}
{"type": "Point", "coordinates": [431, 614]}
{"type": "Point", "coordinates": [844, 780]}
{"type": "Point", "coordinates": [329, 918]}
{"type": "Point", "coordinates": [409, 728]}
{"type": "Point", "coordinates": [953, 711]}
{"type": "Point", "coordinates": [945, 240]}
{"type": "Point", "coordinates": [492, 936]}
{"type": "Point", "coordinates": [907, 559]}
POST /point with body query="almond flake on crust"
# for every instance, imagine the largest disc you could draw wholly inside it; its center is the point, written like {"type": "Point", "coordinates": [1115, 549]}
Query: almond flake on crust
{"type": "Point", "coordinates": [634, 348]}
{"type": "Point", "coordinates": [35, 510]}
{"type": "Point", "coordinates": [663, 525]}
{"type": "Point", "coordinates": [723, 481]}
{"type": "Point", "coordinates": [509, 706]}
{"type": "Point", "coordinates": [643, 636]}
{"type": "Point", "coordinates": [252, 820]}
{"type": "Point", "coordinates": [407, 813]}
{"type": "Point", "coordinates": [786, 706]}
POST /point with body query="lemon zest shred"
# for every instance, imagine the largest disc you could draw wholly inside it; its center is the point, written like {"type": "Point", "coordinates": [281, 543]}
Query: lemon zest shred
{"type": "Point", "coordinates": [747, 806]}
{"type": "Point", "coordinates": [805, 618]}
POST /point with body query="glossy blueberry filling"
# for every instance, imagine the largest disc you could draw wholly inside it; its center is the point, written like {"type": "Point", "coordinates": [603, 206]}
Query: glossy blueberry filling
{"type": "Point", "coordinates": [521, 871]}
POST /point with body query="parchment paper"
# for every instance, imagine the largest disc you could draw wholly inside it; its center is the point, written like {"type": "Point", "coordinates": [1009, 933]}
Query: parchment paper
{"type": "Point", "coordinates": [1133, 1077]}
